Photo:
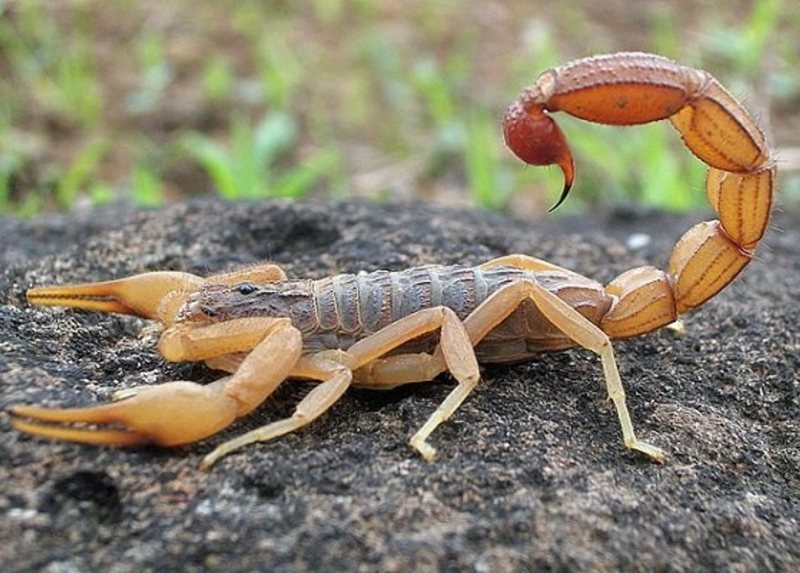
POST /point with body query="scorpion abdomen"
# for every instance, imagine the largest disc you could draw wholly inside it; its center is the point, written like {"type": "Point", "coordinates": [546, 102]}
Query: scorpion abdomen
{"type": "Point", "coordinates": [350, 307]}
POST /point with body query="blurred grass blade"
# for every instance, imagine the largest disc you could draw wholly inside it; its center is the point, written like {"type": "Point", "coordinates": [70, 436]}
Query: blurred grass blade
{"type": "Point", "coordinates": [274, 135]}
{"type": "Point", "coordinates": [80, 172]}
{"type": "Point", "coordinates": [214, 160]}
{"type": "Point", "coordinates": [299, 180]}
{"type": "Point", "coordinates": [148, 190]}
{"type": "Point", "coordinates": [480, 157]}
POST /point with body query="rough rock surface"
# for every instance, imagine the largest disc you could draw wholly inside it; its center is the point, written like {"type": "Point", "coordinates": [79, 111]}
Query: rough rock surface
{"type": "Point", "coordinates": [531, 474]}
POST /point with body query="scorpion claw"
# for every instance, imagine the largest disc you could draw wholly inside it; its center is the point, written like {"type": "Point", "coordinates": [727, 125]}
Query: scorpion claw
{"type": "Point", "coordinates": [142, 295]}
{"type": "Point", "coordinates": [168, 414]}
{"type": "Point", "coordinates": [83, 435]}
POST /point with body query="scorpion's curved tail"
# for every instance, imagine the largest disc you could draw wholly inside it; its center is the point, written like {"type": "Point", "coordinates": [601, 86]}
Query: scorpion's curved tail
{"type": "Point", "coordinates": [635, 88]}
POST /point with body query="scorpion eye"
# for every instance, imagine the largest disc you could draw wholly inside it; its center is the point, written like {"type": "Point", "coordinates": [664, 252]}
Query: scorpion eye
{"type": "Point", "coordinates": [246, 288]}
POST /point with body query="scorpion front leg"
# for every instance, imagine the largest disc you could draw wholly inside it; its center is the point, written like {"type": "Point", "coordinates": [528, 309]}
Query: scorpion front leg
{"type": "Point", "coordinates": [335, 379]}
{"type": "Point", "coordinates": [155, 295]}
{"type": "Point", "coordinates": [335, 369]}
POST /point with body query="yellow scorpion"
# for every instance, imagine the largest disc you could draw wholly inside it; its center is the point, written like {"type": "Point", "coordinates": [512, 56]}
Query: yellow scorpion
{"type": "Point", "coordinates": [384, 329]}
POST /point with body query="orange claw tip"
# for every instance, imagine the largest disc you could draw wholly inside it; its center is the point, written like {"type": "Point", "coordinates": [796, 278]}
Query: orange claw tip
{"type": "Point", "coordinates": [88, 297]}
{"type": "Point", "coordinates": [82, 435]}
{"type": "Point", "coordinates": [140, 294]}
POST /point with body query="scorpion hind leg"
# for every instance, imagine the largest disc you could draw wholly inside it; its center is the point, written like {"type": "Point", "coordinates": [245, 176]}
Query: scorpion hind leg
{"type": "Point", "coordinates": [572, 323]}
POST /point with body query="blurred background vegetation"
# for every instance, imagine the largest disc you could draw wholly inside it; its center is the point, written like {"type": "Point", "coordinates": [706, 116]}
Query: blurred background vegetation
{"type": "Point", "coordinates": [149, 102]}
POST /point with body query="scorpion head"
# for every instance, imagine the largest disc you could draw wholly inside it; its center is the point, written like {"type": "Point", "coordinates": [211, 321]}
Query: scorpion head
{"type": "Point", "coordinates": [217, 302]}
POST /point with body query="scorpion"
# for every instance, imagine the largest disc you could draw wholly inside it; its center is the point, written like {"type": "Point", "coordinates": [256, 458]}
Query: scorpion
{"type": "Point", "coordinates": [384, 329]}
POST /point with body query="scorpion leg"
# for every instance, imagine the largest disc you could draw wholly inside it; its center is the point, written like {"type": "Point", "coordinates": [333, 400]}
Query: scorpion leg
{"type": "Point", "coordinates": [524, 262]}
{"type": "Point", "coordinates": [572, 323]}
{"type": "Point", "coordinates": [335, 368]}
{"type": "Point", "coordinates": [406, 368]}
{"type": "Point", "coordinates": [387, 373]}
{"type": "Point", "coordinates": [155, 295]}
{"type": "Point", "coordinates": [182, 412]}
{"type": "Point", "coordinates": [226, 363]}
{"type": "Point", "coordinates": [399, 369]}
{"type": "Point", "coordinates": [335, 379]}
{"type": "Point", "coordinates": [455, 353]}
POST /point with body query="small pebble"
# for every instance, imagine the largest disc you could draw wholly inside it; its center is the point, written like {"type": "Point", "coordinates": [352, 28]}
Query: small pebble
{"type": "Point", "coordinates": [637, 241]}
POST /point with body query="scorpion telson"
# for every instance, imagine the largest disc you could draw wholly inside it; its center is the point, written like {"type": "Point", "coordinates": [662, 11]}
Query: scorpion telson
{"type": "Point", "coordinates": [384, 329]}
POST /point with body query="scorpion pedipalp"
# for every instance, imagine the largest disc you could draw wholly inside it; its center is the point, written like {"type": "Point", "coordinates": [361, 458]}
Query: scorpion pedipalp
{"type": "Point", "coordinates": [141, 295]}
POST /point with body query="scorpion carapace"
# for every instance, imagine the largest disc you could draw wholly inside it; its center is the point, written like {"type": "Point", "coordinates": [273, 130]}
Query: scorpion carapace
{"type": "Point", "coordinates": [385, 329]}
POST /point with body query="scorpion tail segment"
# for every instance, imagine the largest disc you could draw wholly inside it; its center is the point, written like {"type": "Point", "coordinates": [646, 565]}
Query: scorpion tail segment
{"type": "Point", "coordinates": [717, 128]}
{"type": "Point", "coordinates": [140, 295]}
{"type": "Point", "coordinates": [168, 415]}
{"type": "Point", "coordinates": [536, 139]}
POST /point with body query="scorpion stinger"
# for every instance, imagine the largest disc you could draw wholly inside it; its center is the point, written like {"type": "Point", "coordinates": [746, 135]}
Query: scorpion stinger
{"type": "Point", "coordinates": [532, 134]}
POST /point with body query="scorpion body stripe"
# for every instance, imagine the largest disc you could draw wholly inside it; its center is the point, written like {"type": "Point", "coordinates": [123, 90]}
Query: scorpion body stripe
{"type": "Point", "coordinates": [435, 285]}
{"type": "Point", "coordinates": [375, 298]}
{"type": "Point", "coordinates": [346, 297]}
{"type": "Point", "coordinates": [421, 285]}
{"type": "Point", "coordinates": [397, 296]}
{"type": "Point", "coordinates": [415, 291]}
{"type": "Point", "coordinates": [459, 291]}
{"type": "Point", "coordinates": [325, 303]}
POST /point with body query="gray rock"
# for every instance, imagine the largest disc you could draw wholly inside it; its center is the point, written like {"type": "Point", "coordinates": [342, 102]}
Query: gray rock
{"type": "Point", "coordinates": [531, 473]}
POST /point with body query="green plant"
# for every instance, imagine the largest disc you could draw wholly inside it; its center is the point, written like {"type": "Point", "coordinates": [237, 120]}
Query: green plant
{"type": "Point", "coordinates": [744, 46]}
{"type": "Point", "coordinates": [146, 187]}
{"type": "Point", "coordinates": [156, 74]}
{"type": "Point", "coordinates": [218, 79]}
{"type": "Point", "coordinates": [489, 185]}
{"type": "Point", "coordinates": [645, 164]}
{"type": "Point", "coordinates": [80, 172]}
{"type": "Point", "coordinates": [53, 66]}
{"type": "Point", "coordinates": [251, 167]}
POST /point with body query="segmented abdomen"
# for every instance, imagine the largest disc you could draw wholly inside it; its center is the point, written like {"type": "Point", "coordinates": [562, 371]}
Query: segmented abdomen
{"type": "Point", "coordinates": [349, 307]}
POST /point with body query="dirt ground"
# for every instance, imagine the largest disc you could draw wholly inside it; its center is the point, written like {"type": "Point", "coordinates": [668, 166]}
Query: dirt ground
{"type": "Point", "coordinates": [531, 473]}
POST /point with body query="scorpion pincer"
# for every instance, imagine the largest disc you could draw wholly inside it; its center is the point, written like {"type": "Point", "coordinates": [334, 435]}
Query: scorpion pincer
{"type": "Point", "coordinates": [385, 329]}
